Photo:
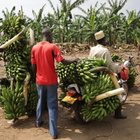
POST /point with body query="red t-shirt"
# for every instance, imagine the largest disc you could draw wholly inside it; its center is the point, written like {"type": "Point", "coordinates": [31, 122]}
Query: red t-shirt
{"type": "Point", "coordinates": [43, 55]}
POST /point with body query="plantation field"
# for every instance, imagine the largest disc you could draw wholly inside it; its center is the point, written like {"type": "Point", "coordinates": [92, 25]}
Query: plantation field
{"type": "Point", "coordinates": [68, 129]}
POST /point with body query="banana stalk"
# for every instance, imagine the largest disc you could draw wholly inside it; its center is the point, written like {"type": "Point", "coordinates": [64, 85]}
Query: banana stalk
{"type": "Point", "coordinates": [13, 39]}
{"type": "Point", "coordinates": [106, 95]}
{"type": "Point", "coordinates": [112, 76]}
{"type": "Point", "coordinates": [114, 79]}
{"type": "Point", "coordinates": [26, 87]}
{"type": "Point", "coordinates": [32, 40]}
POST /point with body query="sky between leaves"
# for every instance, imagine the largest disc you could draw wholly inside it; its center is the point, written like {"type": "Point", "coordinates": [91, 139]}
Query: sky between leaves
{"type": "Point", "coordinates": [36, 5]}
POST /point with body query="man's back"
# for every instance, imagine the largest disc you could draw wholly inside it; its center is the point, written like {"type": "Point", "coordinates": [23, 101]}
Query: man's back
{"type": "Point", "coordinates": [100, 51]}
{"type": "Point", "coordinates": [42, 56]}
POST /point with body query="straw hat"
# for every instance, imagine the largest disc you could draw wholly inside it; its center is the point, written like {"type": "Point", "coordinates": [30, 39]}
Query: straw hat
{"type": "Point", "coordinates": [99, 35]}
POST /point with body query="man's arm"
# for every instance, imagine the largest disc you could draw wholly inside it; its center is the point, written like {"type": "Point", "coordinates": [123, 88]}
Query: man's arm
{"type": "Point", "coordinates": [67, 62]}
{"type": "Point", "coordinates": [112, 66]}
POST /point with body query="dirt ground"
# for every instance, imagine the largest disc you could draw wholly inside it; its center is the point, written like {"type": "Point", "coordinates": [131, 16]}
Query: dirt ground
{"type": "Point", "coordinates": [68, 129]}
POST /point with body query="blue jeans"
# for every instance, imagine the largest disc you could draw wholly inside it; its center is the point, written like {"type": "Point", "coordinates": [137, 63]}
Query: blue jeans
{"type": "Point", "coordinates": [52, 103]}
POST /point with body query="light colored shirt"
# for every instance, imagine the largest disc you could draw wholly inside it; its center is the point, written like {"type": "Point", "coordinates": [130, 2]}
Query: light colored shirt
{"type": "Point", "coordinates": [100, 51]}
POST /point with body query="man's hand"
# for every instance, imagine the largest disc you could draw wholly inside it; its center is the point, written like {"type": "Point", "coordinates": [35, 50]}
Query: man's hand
{"type": "Point", "coordinates": [76, 59]}
{"type": "Point", "coordinates": [67, 62]}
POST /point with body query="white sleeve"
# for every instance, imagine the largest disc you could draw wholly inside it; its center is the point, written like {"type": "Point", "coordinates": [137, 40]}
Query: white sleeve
{"type": "Point", "coordinates": [112, 66]}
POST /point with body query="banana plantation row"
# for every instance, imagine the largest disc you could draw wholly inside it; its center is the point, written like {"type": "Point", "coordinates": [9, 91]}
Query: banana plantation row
{"type": "Point", "coordinates": [67, 27]}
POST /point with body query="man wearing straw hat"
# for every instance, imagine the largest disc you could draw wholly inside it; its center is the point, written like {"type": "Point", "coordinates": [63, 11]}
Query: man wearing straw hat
{"type": "Point", "coordinates": [100, 51]}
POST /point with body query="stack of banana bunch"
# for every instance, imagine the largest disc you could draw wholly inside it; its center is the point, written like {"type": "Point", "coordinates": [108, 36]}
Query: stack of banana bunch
{"type": "Point", "coordinates": [131, 75]}
{"type": "Point", "coordinates": [13, 100]}
{"type": "Point", "coordinates": [93, 84]}
{"type": "Point", "coordinates": [18, 65]}
{"type": "Point", "coordinates": [102, 108]}
{"type": "Point", "coordinates": [17, 54]}
{"type": "Point", "coordinates": [80, 70]}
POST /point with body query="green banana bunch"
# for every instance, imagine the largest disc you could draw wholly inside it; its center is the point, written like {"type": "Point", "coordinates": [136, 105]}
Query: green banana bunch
{"type": "Point", "coordinates": [103, 107]}
{"type": "Point", "coordinates": [4, 39]}
{"type": "Point", "coordinates": [100, 85]}
{"type": "Point", "coordinates": [12, 25]}
{"type": "Point", "coordinates": [32, 99]}
{"type": "Point", "coordinates": [13, 101]}
{"type": "Point", "coordinates": [66, 73]}
{"type": "Point", "coordinates": [132, 76]}
{"type": "Point", "coordinates": [116, 58]}
{"type": "Point", "coordinates": [81, 69]}
{"type": "Point", "coordinates": [3, 82]}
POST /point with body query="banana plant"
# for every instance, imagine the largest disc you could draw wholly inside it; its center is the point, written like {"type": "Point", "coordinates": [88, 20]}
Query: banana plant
{"type": "Point", "coordinates": [112, 18]}
{"type": "Point", "coordinates": [65, 16]}
{"type": "Point", "coordinates": [54, 25]}
{"type": "Point", "coordinates": [76, 28]}
{"type": "Point", "coordinates": [91, 22]}
{"type": "Point", "coordinates": [67, 7]}
{"type": "Point", "coordinates": [129, 25]}
{"type": "Point", "coordinates": [54, 22]}
{"type": "Point", "coordinates": [0, 25]}
{"type": "Point", "coordinates": [37, 23]}
{"type": "Point", "coordinates": [136, 36]}
{"type": "Point", "coordinates": [8, 13]}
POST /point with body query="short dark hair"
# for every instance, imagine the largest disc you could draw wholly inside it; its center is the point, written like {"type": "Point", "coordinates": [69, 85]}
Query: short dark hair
{"type": "Point", "coordinates": [46, 32]}
{"type": "Point", "coordinates": [101, 40]}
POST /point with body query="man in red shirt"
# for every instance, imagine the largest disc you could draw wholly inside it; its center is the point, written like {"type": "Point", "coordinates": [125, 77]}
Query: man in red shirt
{"type": "Point", "coordinates": [42, 58]}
